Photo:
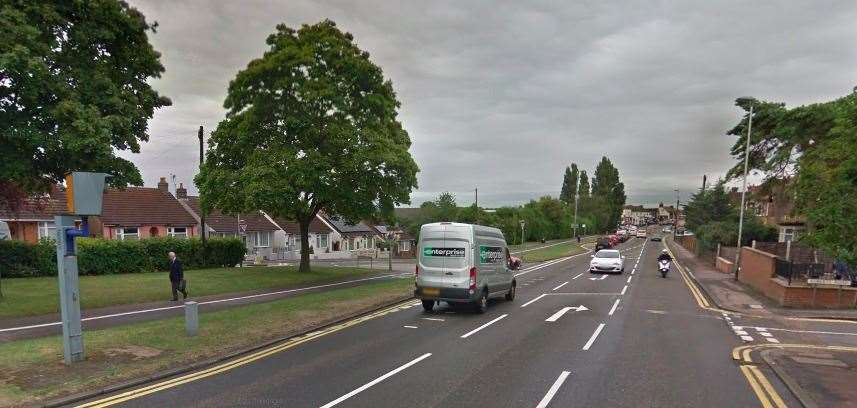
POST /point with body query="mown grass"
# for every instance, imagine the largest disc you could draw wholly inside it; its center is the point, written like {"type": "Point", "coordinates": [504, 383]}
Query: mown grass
{"type": "Point", "coordinates": [37, 296]}
{"type": "Point", "coordinates": [32, 370]}
{"type": "Point", "coordinates": [552, 252]}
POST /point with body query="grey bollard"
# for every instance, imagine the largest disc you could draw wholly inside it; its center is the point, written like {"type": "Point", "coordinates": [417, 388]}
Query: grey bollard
{"type": "Point", "coordinates": [191, 317]}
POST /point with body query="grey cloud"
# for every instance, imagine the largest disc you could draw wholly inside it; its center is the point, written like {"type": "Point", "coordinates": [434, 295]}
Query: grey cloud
{"type": "Point", "coordinates": [504, 95]}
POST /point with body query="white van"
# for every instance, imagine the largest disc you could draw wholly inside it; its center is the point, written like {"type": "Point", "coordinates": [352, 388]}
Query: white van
{"type": "Point", "coordinates": [462, 263]}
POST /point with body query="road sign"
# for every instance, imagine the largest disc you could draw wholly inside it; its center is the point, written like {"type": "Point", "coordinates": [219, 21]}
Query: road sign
{"type": "Point", "coordinates": [842, 282]}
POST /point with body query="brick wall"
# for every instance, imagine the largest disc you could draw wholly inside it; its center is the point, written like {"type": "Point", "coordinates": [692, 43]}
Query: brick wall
{"type": "Point", "coordinates": [724, 265]}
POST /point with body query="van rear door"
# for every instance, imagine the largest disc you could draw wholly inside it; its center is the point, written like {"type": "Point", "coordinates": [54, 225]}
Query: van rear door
{"type": "Point", "coordinates": [431, 261]}
{"type": "Point", "coordinates": [458, 240]}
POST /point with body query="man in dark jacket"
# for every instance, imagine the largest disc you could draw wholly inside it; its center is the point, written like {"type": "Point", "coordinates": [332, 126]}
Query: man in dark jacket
{"type": "Point", "coordinates": [177, 277]}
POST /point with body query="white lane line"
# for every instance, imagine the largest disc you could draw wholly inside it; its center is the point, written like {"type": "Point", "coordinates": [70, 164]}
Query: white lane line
{"type": "Point", "coordinates": [433, 319]}
{"type": "Point", "coordinates": [466, 335]}
{"type": "Point", "coordinates": [629, 279]}
{"type": "Point", "coordinates": [158, 309]}
{"type": "Point", "coordinates": [376, 381]}
{"type": "Point", "coordinates": [613, 309]}
{"type": "Point", "coordinates": [771, 340]}
{"type": "Point", "coordinates": [558, 314]}
{"type": "Point", "coordinates": [553, 389]}
{"type": "Point", "coordinates": [594, 336]}
{"type": "Point", "coordinates": [577, 276]}
{"type": "Point", "coordinates": [811, 331]}
{"type": "Point", "coordinates": [624, 289]}
{"type": "Point", "coordinates": [747, 338]}
{"type": "Point", "coordinates": [410, 327]}
{"type": "Point", "coordinates": [741, 332]}
{"type": "Point", "coordinates": [537, 298]}
{"type": "Point", "coordinates": [561, 285]}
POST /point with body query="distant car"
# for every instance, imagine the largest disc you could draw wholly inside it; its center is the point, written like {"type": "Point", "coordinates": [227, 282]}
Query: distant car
{"type": "Point", "coordinates": [614, 240]}
{"type": "Point", "coordinates": [607, 260]}
{"type": "Point", "coordinates": [602, 243]}
{"type": "Point", "coordinates": [656, 238]}
{"type": "Point", "coordinates": [667, 230]}
{"type": "Point", "coordinates": [641, 233]}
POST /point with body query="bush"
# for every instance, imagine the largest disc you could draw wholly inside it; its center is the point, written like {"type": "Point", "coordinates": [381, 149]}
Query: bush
{"type": "Point", "coordinates": [104, 257]}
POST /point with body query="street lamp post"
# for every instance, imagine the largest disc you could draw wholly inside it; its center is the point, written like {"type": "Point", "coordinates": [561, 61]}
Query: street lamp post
{"type": "Point", "coordinates": [523, 241]}
{"type": "Point", "coordinates": [675, 227]}
{"type": "Point", "coordinates": [743, 191]}
{"type": "Point", "coordinates": [576, 197]}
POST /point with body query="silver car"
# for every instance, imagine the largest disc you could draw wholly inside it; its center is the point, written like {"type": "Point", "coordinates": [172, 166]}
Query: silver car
{"type": "Point", "coordinates": [607, 260]}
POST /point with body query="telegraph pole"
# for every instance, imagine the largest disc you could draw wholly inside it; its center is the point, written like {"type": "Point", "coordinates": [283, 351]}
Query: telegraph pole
{"type": "Point", "coordinates": [201, 209]}
{"type": "Point", "coordinates": [476, 190]}
{"type": "Point", "coordinates": [576, 197]}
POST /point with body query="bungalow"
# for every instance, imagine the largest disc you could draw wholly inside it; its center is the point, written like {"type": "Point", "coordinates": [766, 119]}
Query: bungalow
{"type": "Point", "coordinates": [351, 237]}
{"type": "Point", "coordinates": [35, 220]}
{"type": "Point", "coordinates": [260, 229]}
{"type": "Point", "coordinates": [287, 238]}
{"type": "Point", "coordinates": [141, 212]}
{"type": "Point", "coordinates": [405, 243]}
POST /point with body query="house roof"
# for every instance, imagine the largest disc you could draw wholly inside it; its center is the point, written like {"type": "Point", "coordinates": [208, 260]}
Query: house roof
{"type": "Point", "coordinates": [43, 208]}
{"type": "Point", "coordinates": [228, 224]}
{"type": "Point", "coordinates": [346, 228]}
{"type": "Point", "coordinates": [143, 206]}
{"type": "Point", "coordinates": [315, 226]}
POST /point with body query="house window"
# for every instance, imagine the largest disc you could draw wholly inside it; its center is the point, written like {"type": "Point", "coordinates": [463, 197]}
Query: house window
{"type": "Point", "coordinates": [178, 232]}
{"type": "Point", "coordinates": [47, 229]}
{"type": "Point", "coordinates": [404, 246]}
{"type": "Point", "coordinates": [321, 241]}
{"type": "Point", "coordinates": [261, 239]}
{"type": "Point", "coordinates": [788, 234]}
{"type": "Point", "coordinates": [128, 233]}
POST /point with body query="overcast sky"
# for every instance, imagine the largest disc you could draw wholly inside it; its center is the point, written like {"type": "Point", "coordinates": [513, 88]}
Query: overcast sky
{"type": "Point", "coordinates": [504, 95]}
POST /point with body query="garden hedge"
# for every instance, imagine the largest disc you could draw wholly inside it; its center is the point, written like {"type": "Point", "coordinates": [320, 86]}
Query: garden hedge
{"type": "Point", "coordinates": [103, 257]}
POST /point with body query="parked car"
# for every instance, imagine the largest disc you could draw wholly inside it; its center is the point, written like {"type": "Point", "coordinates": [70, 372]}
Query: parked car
{"type": "Point", "coordinates": [462, 263]}
{"type": "Point", "coordinates": [614, 240]}
{"type": "Point", "coordinates": [602, 243]}
{"type": "Point", "coordinates": [656, 238]}
{"type": "Point", "coordinates": [607, 260]}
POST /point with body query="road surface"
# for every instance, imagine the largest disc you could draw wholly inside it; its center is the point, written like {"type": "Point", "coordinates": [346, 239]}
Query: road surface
{"type": "Point", "coordinates": [570, 339]}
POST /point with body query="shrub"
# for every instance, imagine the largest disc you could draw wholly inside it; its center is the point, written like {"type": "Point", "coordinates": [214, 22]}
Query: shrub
{"type": "Point", "coordinates": [103, 257]}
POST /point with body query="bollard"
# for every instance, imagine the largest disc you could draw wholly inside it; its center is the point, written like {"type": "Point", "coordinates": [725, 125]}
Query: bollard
{"type": "Point", "coordinates": [191, 317]}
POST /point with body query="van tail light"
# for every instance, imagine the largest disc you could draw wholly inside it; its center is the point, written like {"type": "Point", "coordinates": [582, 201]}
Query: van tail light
{"type": "Point", "coordinates": [473, 272]}
{"type": "Point", "coordinates": [417, 270]}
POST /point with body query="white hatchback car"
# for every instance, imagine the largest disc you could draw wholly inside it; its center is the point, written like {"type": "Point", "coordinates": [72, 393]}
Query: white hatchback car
{"type": "Point", "coordinates": [607, 260]}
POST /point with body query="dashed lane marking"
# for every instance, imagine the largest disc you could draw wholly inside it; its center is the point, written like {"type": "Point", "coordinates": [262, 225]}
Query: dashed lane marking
{"type": "Point", "coordinates": [376, 381]}
{"type": "Point", "coordinates": [535, 299]}
{"type": "Point", "coordinates": [593, 337]}
{"type": "Point", "coordinates": [553, 389]}
{"type": "Point", "coordinates": [561, 285]}
{"type": "Point", "coordinates": [613, 309]}
{"type": "Point", "coordinates": [470, 333]}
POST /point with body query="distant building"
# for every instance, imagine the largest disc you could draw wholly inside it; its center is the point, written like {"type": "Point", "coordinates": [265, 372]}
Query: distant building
{"type": "Point", "coordinates": [774, 204]}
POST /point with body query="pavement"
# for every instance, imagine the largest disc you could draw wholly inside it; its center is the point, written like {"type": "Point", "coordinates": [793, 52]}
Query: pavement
{"type": "Point", "coordinates": [569, 339]}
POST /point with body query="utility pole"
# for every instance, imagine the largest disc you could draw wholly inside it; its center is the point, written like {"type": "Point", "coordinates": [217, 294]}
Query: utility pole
{"type": "Point", "coordinates": [476, 201]}
{"type": "Point", "coordinates": [675, 227]}
{"type": "Point", "coordinates": [576, 197]}
{"type": "Point", "coordinates": [201, 209]}
{"type": "Point", "coordinates": [704, 180]}
{"type": "Point", "coordinates": [743, 191]}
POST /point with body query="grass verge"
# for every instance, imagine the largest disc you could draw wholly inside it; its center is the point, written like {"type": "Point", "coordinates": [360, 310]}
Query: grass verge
{"type": "Point", "coordinates": [32, 370]}
{"type": "Point", "coordinates": [552, 252]}
{"type": "Point", "coordinates": [38, 296]}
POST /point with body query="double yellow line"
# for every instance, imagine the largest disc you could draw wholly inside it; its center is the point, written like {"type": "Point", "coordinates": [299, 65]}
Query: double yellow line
{"type": "Point", "coordinates": [701, 300]}
{"type": "Point", "coordinates": [295, 341]}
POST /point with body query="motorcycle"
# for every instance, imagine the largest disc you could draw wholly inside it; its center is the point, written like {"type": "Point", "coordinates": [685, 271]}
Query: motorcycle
{"type": "Point", "coordinates": [664, 267]}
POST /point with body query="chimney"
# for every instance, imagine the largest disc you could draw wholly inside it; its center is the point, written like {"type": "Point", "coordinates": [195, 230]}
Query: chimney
{"type": "Point", "coordinates": [163, 186]}
{"type": "Point", "coordinates": [181, 192]}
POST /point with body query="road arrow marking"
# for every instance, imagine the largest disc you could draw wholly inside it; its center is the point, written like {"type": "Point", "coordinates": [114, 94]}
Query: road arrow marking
{"type": "Point", "coordinates": [564, 310]}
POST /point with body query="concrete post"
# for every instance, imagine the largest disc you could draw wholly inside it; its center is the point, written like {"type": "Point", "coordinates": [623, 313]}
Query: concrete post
{"type": "Point", "coordinates": [72, 333]}
{"type": "Point", "coordinates": [788, 251]}
{"type": "Point", "coordinates": [754, 244]}
{"type": "Point", "coordinates": [718, 250]}
{"type": "Point", "coordinates": [191, 317]}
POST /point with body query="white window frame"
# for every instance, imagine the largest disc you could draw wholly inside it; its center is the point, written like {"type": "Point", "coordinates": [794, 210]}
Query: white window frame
{"type": "Point", "coordinates": [120, 232]}
{"type": "Point", "coordinates": [405, 245]}
{"type": "Point", "coordinates": [789, 233]}
{"type": "Point", "coordinates": [171, 231]}
{"type": "Point", "coordinates": [321, 241]}
{"type": "Point", "coordinates": [47, 229]}
{"type": "Point", "coordinates": [257, 239]}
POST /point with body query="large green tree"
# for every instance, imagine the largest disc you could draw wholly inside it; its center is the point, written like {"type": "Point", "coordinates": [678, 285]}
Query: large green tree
{"type": "Point", "coordinates": [310, 125]}
{"type": "Point", "coordinates": [809, 149]}
{"type": "Point", "coordinates": [74, 89]}
{"type": "Point", "coordinates": [707, 206]}
{"type": "Point", "coordinates": [607, 186]}
{"type": "Point", "coordinates": [569, 184]}
{"type": "Point", "coordinates": [584, 184]}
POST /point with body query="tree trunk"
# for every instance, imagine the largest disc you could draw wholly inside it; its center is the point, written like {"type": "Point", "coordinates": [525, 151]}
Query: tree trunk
{"type": "Point", "coordinates": [304, 227]}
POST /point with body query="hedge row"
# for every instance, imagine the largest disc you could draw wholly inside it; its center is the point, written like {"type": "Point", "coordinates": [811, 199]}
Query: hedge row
{"type": "Point", "coordinates": [103, 257]}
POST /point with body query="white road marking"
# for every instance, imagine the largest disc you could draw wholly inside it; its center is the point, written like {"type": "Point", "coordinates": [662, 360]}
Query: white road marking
{"type": "Point", "coordinates": [558, 314]}
{"type": "Point", "coordinates": [537, 298]}
{"type": "Point", "coordinates": [741, 332]}
{"type": "Point", "coordinates": [766, 334]}
{"type": "Point", "coordinates": [624, 289]}
{"type": "Point", "coordinates": [577, 276]}
{"type": "Point", "coordinates": [433, 319]}
{"type": "Point", "coordinates": [629, 279]}
{"type": "Point", "coordinates": [594, 336]}
{"type": "Point", "coordinates": [158, 309]}
{"type": "Point", "coordinates": [376, 381]}
{"type": "Point", "coordinates": [561, 285]}
{"type": "Point", "coordinates": [746, 338]}
{"type": "Point", "coordinates": [553, 389]}
{"type": "Point", "coordinates": [771, 340]}
{"type": "Point", "coordinates": [810, 331]}
{"type": "Point", "coordinates": [410, 327]}
{"type": "Point", "coordinates": [466, 335]}
{"type": "Point", "coordinates": [613, 309]}
{"type": "Point", "coordinates": [604, 276]}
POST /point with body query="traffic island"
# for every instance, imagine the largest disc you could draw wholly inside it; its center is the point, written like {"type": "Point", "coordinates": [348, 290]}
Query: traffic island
{"type": "Point", "coordinates": [31, 371]}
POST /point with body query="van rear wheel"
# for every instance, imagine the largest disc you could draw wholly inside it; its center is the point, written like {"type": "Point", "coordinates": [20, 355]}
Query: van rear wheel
{"type": "Point", "coordinates": [428, 305]}
{"type": "Point", "coordinates": [510, 296]}
{"type": "Point", "coordinates": [482, 303]}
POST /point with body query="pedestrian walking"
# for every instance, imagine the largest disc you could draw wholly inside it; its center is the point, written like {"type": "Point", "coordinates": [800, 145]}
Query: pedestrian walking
{"type": "Point", "coordinates": [177, 281]}
{"type": "Point", "coordinates": [578, 239]}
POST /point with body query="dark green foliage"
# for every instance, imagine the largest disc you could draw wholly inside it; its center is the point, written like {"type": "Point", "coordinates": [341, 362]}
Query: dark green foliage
{"type": "Point", "coordinates": [74, 87]}
{"type": "Point", "coordinates": [707, 206]}
{"type": "Point", "coordinates": [569, 184]}
{"type": "Point", "coordinates": [104, 257]}
{"type": "Point", "coordinates": [312, 124]}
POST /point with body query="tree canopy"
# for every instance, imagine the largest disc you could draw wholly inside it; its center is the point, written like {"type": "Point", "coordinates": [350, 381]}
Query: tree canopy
{"type": "Point", "coordinates": [607, 188]}
{"type": "Point", "coordinates": [569, 184]}
{"type": "Point", "coordinates": [310, 125]}
{"type": "Point", "coordinates": [73, 90]}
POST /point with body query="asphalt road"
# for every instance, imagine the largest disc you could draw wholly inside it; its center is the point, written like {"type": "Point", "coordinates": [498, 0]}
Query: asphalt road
{"type": "Point", "coordinates": [640, 341]}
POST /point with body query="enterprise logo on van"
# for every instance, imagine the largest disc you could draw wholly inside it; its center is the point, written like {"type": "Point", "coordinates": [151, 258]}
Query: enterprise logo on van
{"type": "Point", "coordinates": [447, 252]}
{"type": "Point", "coordinates": [490, 254]}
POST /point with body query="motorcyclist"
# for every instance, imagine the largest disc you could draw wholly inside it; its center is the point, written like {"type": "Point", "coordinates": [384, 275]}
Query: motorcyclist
{"type": "Point", "coordinates": [664, 256]}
